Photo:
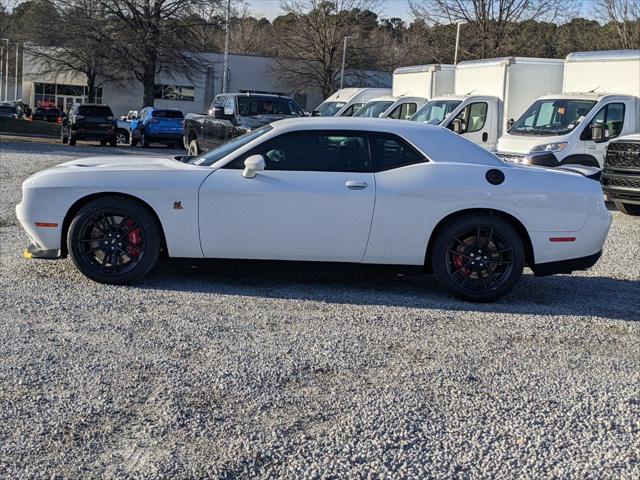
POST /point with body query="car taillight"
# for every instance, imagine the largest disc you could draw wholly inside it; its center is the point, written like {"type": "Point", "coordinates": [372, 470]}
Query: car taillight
{"type": "Point", "coordinates": [59, 120]}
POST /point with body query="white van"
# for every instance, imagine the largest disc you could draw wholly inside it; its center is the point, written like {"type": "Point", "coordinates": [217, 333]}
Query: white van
{"type": "Point", "coordinates": [347, 101]}
{"type": "Point", "coordinates": [600, 101]}
{"type": "Point", "coordinates": [489, 93]}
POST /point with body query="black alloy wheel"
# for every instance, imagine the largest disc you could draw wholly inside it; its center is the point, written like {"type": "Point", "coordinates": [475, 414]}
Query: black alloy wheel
{"type": "Point", "coordinates": [478, 258]}
{"type": "Point", "coordinates": [114, 240]}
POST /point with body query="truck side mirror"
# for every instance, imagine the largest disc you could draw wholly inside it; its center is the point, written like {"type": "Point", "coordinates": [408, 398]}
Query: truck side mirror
{"type": "Point", "coordinates": [458, 126]}
{"type": "Point", "coordinates": [598, 133]}
{"type": "Point", "coordinates": [510, 123]}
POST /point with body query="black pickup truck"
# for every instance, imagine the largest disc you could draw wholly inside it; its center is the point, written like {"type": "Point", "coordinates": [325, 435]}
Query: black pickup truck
{"type": "Point", "coordinates": [621, 174]}
{"type": "Point", "coordinates": [232, 114]}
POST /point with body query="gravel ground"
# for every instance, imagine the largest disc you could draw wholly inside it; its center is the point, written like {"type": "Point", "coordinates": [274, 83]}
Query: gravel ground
{"type": "Point", "coordinates": [199, 372]}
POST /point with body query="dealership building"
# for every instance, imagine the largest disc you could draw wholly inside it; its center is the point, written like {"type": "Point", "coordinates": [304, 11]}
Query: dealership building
{"type": "Point", "coordinates": [23, 78]}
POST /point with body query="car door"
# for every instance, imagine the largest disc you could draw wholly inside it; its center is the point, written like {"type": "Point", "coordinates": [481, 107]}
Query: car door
{"type": "Point", "coordinates": [313, 202]}
{"type": "Point", "coordinates": [216, 123]}
{"type": "Point", "coordinates": [612, 116]}
{"type": "Point", "coordinates": [474, 116]}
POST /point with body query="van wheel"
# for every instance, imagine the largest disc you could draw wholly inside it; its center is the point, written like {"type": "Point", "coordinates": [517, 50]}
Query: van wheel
{"type": "Point", "coordinates": [478, 258]}
{"type": "Point", "coordinates": [628, 208]}
{"type": "Point", "coordinates": [114, 240]}
{"type": "Point", "coordinates": [194, 148]}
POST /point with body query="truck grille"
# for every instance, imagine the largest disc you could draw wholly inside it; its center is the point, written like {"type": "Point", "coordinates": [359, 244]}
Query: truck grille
{"type": "Point", "coordinates": [622, 182]}
{"type": "Point", "coordinates": [623, 155]}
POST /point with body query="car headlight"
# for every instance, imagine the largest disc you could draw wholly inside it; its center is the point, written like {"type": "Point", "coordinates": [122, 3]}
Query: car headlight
{"type": "Point", "coordinates": [549, 147]}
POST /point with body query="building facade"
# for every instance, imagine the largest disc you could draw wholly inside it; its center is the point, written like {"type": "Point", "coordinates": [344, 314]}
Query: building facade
{"type": "Point", "coordinates": [190, 93]}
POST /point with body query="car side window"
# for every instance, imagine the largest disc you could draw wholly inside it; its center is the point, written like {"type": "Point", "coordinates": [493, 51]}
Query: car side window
{"type": "Point", "coordinates": [320, 151]}
{"type": "Point", "coordinates": [611, 116]}
{"type": "Point", "coordinates": [474, 116]}
{"type": "Point", "coordinates": [229, 105]}
{"type": "Point", "coordinates": [403, 111]}
{"type": "Point", "coordinates": [389, 152]}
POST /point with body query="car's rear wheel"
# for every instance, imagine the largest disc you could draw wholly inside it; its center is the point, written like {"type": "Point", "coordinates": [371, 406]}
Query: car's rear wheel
{"type": "Point", "coordinates": [478, 258]}
{"type": "Point", "coordinates": [628, 208]}
{"type": "Point", "coordinates": [194, 148]}
{"type": "Point", "coordinates": [122, 138]}
{"type": "Point", "coordinates": [114, 240]}
{"type": "Point", "coordinates": [72, 140]}
{"type": "Point", "coordinates": [113, 141]}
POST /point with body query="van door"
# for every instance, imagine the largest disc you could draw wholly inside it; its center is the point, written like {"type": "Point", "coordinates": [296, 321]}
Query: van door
{"type": "Point", "coordinates": [476, 124]}
{"type": "Point", "coordinates": [612, 116]}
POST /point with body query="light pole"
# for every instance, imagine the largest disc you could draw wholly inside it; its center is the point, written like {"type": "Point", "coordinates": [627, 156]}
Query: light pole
{"type": "Point", "coordinates": [6, 71]}
{"type": "Point", "coordinates": [455, 56]}
{"type": "Point", "coordinates": [15, 95]}
{"type": "Point", "coordinates": [225, 73]}
{"type": "Point", "coordinates": [1, 68]}
{"type": "Point", "coordinates": [344, 59]}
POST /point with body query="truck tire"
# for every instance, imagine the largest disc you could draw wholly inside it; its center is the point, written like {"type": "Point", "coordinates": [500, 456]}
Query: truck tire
{"type": "Point", "coordinates": [193, 149]}
{"type": "Point", "coordinates": [628, 209]}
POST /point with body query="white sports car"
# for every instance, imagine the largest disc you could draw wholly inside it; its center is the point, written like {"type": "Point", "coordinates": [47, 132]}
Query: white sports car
{"type": "Point", "coordinates": [375, 192]}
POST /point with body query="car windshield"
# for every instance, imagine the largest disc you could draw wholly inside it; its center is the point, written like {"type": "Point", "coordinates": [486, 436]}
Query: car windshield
{"type": "Point", "coordinates": [552, 117]}
{"type": "Point", "coordinates": [8, 109]}
{"type": "Point", "coordinates": [329, 109]}
{"type": "Point", "coordinates": [94, 111]}
{"type": "Point", "coordinates": [231, 146]}
{"type": "Point", "coordinates": [373, 109]}
{"type": "Point", "coordinates": [167, 114]}
{"type": "Point", "coordinates": [434, 112]}
{"type": "Point", "coordinates": [253, 105]}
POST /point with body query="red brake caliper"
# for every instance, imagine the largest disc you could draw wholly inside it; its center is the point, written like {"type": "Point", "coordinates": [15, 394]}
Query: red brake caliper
{"type": "Point", "coordinates": [133, 237]}
{"type": "Point", "coordinates": [458, 262]}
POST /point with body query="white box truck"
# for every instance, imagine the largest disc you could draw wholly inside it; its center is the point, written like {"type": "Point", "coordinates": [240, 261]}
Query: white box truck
{"type": "Point", "coordinates": [599, 101]}
{"type": "Point", "coordinates": [347, 101]}
{"type": "Point", "coordinates": [412, 87]}
{"type": "Point", "coordinates": [489, 93]}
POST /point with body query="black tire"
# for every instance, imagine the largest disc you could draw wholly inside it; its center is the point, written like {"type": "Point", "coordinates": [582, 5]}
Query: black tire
{"type": "Point", "coordinates": [103, 143]}
{"type": "Point", "coordinates": [478, 258]}
{"type": "Point", "coordinates": [72, 141]}
{"type": "Point", "coordinates": [144, 140]}
{"type": "Point", "coordinates": [193, 148]}
{"type": "Point", "coordinates": [122, 136]}
{"type": "Point", "coordinates": [628, 209]}
{"type": "Point", "coordinates": [112, 233]}
{"type": "Point", "coordinates": [113, 142]}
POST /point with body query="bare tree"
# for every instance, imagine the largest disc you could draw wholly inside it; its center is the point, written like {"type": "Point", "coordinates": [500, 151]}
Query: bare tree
{"type": "Point", "coordinates": [624, 15]}
{"type": "Point", "coordinates": [147, 36]}
{"type": "Point", "coordinates": [491, 22]}
{"type": "Point", "coordinates": [309, 41]}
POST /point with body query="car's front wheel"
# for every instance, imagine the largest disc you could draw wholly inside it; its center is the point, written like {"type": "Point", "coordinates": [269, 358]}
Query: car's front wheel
{"type": "Point", "coordinates": [194, 148]}
{"type": "Point", "coordinates": [114, 240]}
{"type": "Point", "coordinates": [478, 258]}
{"type": "Point", "coordinates": [628, 208]}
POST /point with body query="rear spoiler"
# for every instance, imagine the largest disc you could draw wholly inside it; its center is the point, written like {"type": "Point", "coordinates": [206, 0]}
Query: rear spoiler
{"type": "Point", "coordinates": [594, 173]}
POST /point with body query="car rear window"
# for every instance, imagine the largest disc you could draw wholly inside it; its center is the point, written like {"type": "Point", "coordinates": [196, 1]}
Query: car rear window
{"type": "Point", "coordinates": [254, 105]}
{"type": "Point", "coordinates": [167, 114]}
{"type": "Point", "coordinates": [53, 111]}
{"type": "Point", "coordinates": [95, 111]}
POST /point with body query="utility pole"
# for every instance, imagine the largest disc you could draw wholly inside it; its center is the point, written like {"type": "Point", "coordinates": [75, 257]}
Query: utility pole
{"type": "Point", "coordinates": [344, 60]}
{"type": "Point", "coordinates": [225, 73]}
{"type": "Point", "coordinates": [455, 56]}
{"type": "Point", "coordinates": [15, 95]}
{"type": "Point", "coordinates": [6, 71]}
{"type": "Point", "coordinates": [1, 68]}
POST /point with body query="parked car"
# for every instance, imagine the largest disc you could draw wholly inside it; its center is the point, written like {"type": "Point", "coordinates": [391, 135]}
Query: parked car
{"type": "Point", "coordinates": [305, 190]}
{"type": "Point", "coordinates": [52, 114]}
{"type": "Point", "coordinates": [233, 114]}
{"type": "Point", "coordinates": [347, 101]}
{"type": "Point", "coordinates": [621, 174]}
{"type": "Point", "coordinates": [157, 125]}
{"type": "Point", "coordinates": [10, 111]}
{"type": "Point", "coordinates": [89, 121]}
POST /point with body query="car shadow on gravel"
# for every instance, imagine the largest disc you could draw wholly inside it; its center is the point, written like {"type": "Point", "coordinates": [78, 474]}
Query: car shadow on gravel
{"type": "Point", "coordinates": [571, 295]}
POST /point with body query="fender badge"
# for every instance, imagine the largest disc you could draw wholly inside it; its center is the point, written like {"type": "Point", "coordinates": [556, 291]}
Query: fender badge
{"type": "Point", "coordinates": [177, 205]}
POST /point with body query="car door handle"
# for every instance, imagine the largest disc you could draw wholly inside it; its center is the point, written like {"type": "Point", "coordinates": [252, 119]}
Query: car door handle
{"type": "Point", "coordinates": [353, 185]}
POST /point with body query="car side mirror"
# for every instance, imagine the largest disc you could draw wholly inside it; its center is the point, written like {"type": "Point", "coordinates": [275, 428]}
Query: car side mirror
{"type": "Point", "coordinates": [598, 133]}
{"type": "Point", "coordinates": [459, 126]}
{"type": "Point", "coordinates": [253, 165]}
{"type": "Point", "coordinates": [510, 123]}
{"type": "Point", "coordinates": [315, 113]}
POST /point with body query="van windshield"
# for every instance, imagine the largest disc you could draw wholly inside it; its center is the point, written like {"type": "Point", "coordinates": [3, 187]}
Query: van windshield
{"type": "Point", "coordinates": [212, 156]}
{"type": "Point", "coordinates": [329, 109]}
{"type": "Point", "coordinates": [373, 109]}
{"type": "Point", "coordinates": [434, 112]}
{"type": "Point", "coordinates": [552, 117]}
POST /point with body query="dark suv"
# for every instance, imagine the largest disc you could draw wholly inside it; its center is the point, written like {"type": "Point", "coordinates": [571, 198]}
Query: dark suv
{"type": "Point", "coordinates": [621, 174]}
{"type": "Point", "coordinates": [87, 121]}
{"type": "Point", "coordinates": [232, 114]}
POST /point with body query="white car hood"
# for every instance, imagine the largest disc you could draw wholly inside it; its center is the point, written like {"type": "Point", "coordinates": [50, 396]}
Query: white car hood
{"type": "Point", "coordinates": [126, 162]}
{"type": "Point", "coordinates": [524, 143]}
